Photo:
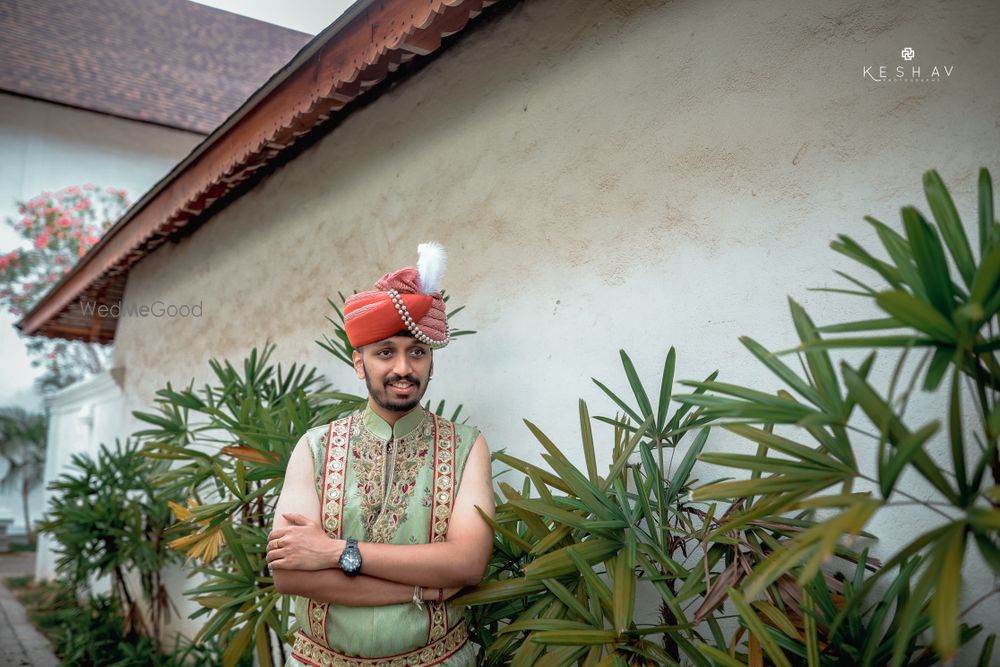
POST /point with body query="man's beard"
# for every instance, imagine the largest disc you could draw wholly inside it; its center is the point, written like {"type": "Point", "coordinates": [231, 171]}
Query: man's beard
{"type": "Point", "coordinates": [382, 398]}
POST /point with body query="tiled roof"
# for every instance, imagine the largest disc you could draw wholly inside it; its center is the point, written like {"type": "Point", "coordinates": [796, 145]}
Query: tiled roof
{"type": "Point", "coordinates": [366, 49]}
{"type": "Point", "coordinates": [170, 62]}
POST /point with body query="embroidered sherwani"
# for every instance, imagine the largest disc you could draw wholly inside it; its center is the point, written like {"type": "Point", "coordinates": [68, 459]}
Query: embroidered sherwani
{"type": "Point", "coordinates": [419, 461]}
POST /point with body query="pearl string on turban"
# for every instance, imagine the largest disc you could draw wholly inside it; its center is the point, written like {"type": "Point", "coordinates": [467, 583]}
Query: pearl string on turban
{"type": "Point", "coordinates": [407, 299]}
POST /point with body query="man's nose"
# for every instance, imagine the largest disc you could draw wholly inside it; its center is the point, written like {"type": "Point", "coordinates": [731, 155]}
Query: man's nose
{"type": "Point", "coordinates": [402, 366]}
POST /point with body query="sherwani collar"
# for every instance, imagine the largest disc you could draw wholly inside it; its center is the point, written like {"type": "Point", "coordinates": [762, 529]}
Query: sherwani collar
{"type": "Point", "coordinates": [403, 426]}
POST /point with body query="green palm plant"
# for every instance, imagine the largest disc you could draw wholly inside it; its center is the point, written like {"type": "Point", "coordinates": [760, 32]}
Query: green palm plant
{"type": "Point", "coordinates": [570, 561]}
{"type": "Point", "coordinates": [22, 444]}
{"type": "Point", "coordinates": [816, 465]}
{"type": "Point", "coordinates": [106, 518]}
{"type": "Point", "coordinates": [554, 542]}
{"type": "Point", "coordinates": [231, 441]}
{"type": "Point", "coordinates": [838, 625]}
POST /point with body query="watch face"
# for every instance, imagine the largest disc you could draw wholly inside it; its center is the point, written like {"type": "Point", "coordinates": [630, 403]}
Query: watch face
{"type": "Point", "coordinates": [350, 560]}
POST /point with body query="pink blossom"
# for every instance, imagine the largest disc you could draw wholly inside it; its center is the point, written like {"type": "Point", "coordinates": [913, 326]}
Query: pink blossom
{"type": "Point", "coordinates": [64, 221]}
{"type": "Point", "coordinates": [42, 240]}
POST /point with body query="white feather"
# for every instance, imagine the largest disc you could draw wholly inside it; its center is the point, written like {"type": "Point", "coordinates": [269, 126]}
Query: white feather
{"type": "Point", "coordinates": [431, 262]}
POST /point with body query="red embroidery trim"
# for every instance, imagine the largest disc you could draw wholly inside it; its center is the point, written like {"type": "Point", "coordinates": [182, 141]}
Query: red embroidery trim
{"type": "Point", "coordinates": [443, 484]}
{"type": "Point", "coordinates": [332, 500]}
{"type": "Point", "coordinates": [443, 498]}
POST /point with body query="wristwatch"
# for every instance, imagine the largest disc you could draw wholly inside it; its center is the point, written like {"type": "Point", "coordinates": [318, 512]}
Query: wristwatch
{"type": "Point", "coordinates": [350, 558]}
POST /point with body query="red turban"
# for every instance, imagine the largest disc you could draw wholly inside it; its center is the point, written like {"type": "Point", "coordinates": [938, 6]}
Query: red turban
{"type": "Point", "coordinates": [401, 301]}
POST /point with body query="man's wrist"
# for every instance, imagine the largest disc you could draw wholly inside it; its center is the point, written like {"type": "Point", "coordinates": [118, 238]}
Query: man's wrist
{"type": "Point", "coordinates": [336, 548]}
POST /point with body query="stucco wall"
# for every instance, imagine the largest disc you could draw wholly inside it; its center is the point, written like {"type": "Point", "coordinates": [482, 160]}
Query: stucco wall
{"type": "Point", "coordinates": [604, 175]}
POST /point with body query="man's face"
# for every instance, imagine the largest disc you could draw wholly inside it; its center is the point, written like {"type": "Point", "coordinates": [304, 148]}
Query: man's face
{"type": "Point", "coordinates": [396, 371]}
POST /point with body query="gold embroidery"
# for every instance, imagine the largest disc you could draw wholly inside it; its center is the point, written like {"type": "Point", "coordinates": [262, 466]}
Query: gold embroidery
{"type": "Point", "coordinates": [331, 486]}
{"type": "Point", "coordinates": [335, 475]}
{"type": "Point", "coordinates": [368, 455]}
{"type": "Point", "coordinates": [437, 621]}
{"type": "Point", "coordinates": [311, 653]}
{"type": "Point", "coordinates": [443, 488]}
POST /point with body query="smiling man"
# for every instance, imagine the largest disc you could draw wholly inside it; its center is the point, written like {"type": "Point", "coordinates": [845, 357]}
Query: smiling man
{"type": "Point", "coordinates": [376, 527]}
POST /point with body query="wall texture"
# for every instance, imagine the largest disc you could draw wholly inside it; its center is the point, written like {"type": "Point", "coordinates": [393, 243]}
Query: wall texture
{"type": "Point", "coordinates": [604, 175]}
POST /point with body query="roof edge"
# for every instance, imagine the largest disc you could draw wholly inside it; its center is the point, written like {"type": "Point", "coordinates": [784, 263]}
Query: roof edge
{"type": "Point", "coordinates": [352, 55]}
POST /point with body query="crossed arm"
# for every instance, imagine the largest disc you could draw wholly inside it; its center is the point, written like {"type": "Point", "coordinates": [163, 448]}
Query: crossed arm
{"type": "Point", "coordinates": [307, 562]}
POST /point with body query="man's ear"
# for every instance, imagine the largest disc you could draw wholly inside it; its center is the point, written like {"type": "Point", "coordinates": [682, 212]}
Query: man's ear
{"type": "Point", "coordinates": [359, 367]}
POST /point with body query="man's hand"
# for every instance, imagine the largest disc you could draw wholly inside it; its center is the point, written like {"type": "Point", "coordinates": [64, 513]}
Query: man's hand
{"type": "Point", "coordinates": [302, 545]}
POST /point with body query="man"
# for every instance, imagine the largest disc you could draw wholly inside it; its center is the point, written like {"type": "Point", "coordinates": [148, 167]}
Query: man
{"type": "Point", "coordinates": [376, 527]}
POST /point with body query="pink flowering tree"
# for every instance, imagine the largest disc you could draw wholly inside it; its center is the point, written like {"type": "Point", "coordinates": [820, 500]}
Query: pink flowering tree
{"type": "Point", "coordinates": [57, 228]}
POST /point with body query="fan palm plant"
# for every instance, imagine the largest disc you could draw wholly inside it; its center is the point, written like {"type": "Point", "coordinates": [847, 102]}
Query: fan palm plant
{"type": "Point", "coordinates": [22, 444]}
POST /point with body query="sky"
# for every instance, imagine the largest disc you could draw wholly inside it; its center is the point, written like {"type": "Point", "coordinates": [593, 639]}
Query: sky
{"type": "Point", "coordinates": [309, 16]}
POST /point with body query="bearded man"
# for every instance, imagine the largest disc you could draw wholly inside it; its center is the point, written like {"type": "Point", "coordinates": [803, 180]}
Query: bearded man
{"type": "Point", "coordinates": [377, 527]}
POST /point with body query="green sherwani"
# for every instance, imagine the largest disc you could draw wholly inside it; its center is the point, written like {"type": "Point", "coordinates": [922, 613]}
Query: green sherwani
{"type": "Point", "coordinates": [354, 464]}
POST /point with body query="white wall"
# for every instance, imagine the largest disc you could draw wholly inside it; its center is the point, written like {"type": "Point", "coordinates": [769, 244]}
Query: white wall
{"type": "Point", "coordinates": [604, 175]}
{"type": "Point", "coordinates": [46, 147]}
{"type": "Point", "coordinates": [82, 417]}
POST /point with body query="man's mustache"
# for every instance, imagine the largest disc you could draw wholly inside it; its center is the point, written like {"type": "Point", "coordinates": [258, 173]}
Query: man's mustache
{"type": "Point", "coordinates": [412, 379]}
